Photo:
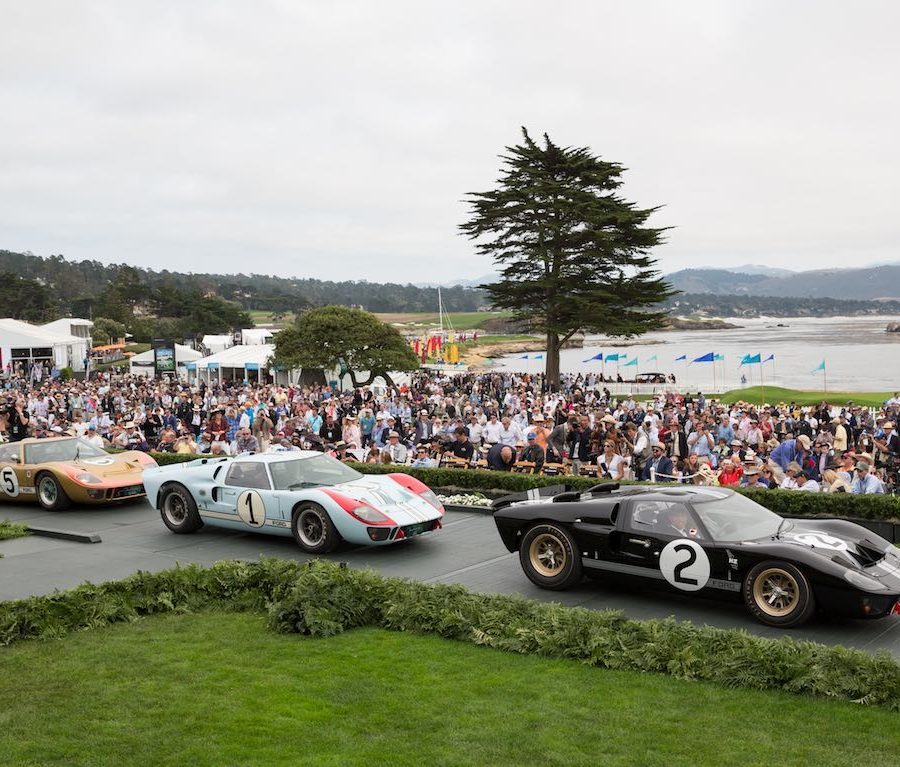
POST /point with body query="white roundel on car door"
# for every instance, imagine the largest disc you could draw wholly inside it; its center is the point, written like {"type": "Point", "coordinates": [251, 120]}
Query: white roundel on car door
{"type": "Point", "coordinates": [251, 509]}
{"type": "Point", "coordinates": [684, 564]}
{"type": "Point", "coordinates": [9, 482]}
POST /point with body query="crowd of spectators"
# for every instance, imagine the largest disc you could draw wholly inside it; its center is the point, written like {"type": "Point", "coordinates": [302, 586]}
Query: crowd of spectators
{"type": "Point", "coordinates": [499, 421]}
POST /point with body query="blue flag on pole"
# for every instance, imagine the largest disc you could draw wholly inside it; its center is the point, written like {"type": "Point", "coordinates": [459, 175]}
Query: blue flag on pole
{"type": "Point", "coordinates": [718, 358]}
{"type": "Point", "coordinates": [631, 363]}
{"type": "Point", "coordinates": [770, 358]}
{"type": "Point", "coordinates": [538, 357]}
{"type": "Point", "coordinates": [650, 359]}
{"type": "Point", "coordinates": [745, 360]}
{"type": "Point", "coordinates": [524, 357]}
{"type": "Point", "coordinates": [711, 357]}
{"type": "Point", "coordinates": [820, 368]}
{"type": "Point", "coordinates": [613, 357]}
{"type": "Point", "coordinates": [751, 359]}
{"type": "Point", "coordinates": [598, 356]}
{"type": "Point", "coordinates": [681, 358]}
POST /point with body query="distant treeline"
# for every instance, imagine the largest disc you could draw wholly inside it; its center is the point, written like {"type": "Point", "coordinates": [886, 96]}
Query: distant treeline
{"type": "Point", "coordinates": [685, 304]}
{"type": "Point", "coordinates": [77, 286]}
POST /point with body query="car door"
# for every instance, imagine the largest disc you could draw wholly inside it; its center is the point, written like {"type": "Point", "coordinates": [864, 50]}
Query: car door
{"type": "Point", "coordinates": [664, 540]}
{"type": "Point", "coordinates": [15, 483]}
{"type": "Point", "coordinates": [245, 497]}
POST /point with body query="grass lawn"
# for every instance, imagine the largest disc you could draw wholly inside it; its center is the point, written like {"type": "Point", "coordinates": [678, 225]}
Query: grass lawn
{"type": "Point", "coordinates": [774, 395]}
{"type": "Point", "coordinates": [220, 689]}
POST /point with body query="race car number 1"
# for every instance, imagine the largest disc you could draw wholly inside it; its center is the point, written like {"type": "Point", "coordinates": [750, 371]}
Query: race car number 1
{"type": "Point", "coordinates": [9, 481]}
{"type": "Point", "coordinates": [684, 564]}
{"type": "Point", "coordinates": [251, 509]}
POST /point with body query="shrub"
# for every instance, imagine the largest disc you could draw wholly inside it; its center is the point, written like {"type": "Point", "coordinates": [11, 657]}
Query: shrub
{"type": "Point", "coordinates": [66, 374]}
{"type": "Point", "coordinates": [324, 598]}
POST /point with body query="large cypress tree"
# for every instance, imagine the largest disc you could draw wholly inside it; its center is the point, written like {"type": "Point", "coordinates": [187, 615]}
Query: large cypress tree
{"type": "Point", "coordinates": [573, 254]}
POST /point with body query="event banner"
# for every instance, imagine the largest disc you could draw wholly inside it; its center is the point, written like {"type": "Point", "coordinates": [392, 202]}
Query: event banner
{"type": "Point", "coordinates": [163, 356]}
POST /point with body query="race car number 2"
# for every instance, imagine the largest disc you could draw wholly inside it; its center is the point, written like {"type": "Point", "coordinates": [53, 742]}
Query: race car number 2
{"type": "Point", "coordinates": [9, 481]}
{"type": "Point", "coordinates": [251, 509]}
{"type": "Point", "coordinates": [684, 564]}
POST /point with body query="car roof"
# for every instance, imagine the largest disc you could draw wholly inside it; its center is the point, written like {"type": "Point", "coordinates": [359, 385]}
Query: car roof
{"type": "Point", "coordinates": [286, 455]}
{"type": "Point", "coordinates": [44, 440]}
{"type": "Point", "coordinates": [693, 493]}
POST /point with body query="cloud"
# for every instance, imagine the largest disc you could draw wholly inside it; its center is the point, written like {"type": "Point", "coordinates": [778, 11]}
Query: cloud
{"type": "Point", "coordinates": [338, 140]}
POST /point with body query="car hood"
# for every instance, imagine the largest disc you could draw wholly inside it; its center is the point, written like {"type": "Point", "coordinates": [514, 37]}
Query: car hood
{"type": "Point", "coordinates": [401, 505]}
{"type": "Point", "coordinates": [845, 543]}
{"type": "Point", "coordinates": [104, 466]}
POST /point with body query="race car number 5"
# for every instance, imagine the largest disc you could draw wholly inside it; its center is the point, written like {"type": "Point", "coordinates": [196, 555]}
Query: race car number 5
{"type": "Point", "coordinates": [251, 509]}
{"type": "Point", "coordinates": [684, 564]}
{"type": "Point", "coordinates": [9, 481]}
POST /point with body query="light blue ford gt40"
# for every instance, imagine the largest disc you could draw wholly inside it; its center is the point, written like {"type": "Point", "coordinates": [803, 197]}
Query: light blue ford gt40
{"type": "Point", "coordinates": [308, 495]}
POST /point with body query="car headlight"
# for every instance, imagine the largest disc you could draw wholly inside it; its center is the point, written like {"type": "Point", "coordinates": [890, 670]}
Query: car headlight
{"type": "Point", "coordinates": [370, 514]}
{"type": "Point", "coordinates": [862, 581]}
{"type": "Point", "coordinates": [86, 478]}
{"type": "Point", "coordinates": [428, 495]}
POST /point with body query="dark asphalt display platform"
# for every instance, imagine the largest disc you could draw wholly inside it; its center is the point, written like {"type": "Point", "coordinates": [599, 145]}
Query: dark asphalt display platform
{"type": "Point", "coordinates": [467, 551]}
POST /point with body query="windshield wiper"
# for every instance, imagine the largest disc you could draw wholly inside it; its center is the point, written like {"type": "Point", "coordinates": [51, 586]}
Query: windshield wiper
{"type": "Point", "coordinates": [783, 523]}
{"type": "Point", "coordinates": [302, 484]}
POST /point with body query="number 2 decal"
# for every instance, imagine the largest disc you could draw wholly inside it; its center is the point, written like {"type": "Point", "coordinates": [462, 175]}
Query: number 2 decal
{"type": "Point", "coordinates": [251, 509]}
{"type": "Point", "coordinates": [681, 566]}
{"type": "Point", "coordinates": [9, 481]}
{"type": "Point", "coordinates": [684, 564]}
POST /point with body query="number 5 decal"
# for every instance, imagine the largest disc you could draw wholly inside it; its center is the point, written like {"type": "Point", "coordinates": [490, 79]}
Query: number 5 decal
{"type": "Point", "coordinates": [9, 481]}
{"type": "Point", "coordinates": [685, 565]}
{"type": "Point", "coordinates": [251, 509]}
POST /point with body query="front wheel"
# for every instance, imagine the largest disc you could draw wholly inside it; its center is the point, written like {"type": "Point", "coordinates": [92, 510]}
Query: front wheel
{"type": "Point", "coordinates": [549, 556]}
{"type": "Point", "coordinates": [50, 493]}
{"type": "Point", "coordinates": [313, 529]}
{"type": "Point", "coordinates": [778, 594]}
{"type": "Point", "coordinates": [179, 510]}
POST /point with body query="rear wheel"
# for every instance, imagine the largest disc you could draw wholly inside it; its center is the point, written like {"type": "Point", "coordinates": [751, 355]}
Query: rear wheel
{"type": "Point", "coordinates": [51, 494]}
{"type": "Point", "coordinates": [179, 510]}
{"type": "Point", "coordinates": [549, 557]}
{"type": "Point", "coordinates": [778, 594]}
{"type": "Point", "coordinates": [313, 529]}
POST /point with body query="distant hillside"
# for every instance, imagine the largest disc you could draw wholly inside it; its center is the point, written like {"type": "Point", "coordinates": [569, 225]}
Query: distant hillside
{"type": "Point", "coordinates": [875, 282]}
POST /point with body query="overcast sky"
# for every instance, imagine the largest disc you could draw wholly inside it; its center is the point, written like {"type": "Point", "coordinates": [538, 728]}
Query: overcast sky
{"type": "Point", "coordinates": [337, 139]}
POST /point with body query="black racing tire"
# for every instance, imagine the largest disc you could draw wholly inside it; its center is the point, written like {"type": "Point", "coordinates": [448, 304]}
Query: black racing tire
{"type": "Point", "coordinates": [313, 529]}
{"type": "Point", "coordinates": [179, 510]}
{"type": "Point", "coordinates": [549, 556]}
{"type": "Point", "coordinates": [778, 594]}
{"type": "Point", "coordinates": [50, 493]}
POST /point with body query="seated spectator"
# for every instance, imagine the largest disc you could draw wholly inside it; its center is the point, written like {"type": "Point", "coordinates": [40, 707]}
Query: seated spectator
{"type": "Point", "coordinates": [395, 449]}
{"type": "Point", "coordinates": [612, 465]}
{"type": "Point", "coordinates": [730, 474]}
{"type": "Point", "coordinates": [422, 459]}
{"type": "Point", "coordinates": [533, 452]}
{"type": "Point", "coordinates": [659, 465]}
{"type": "Point", "coordinates": [753, 478]}
{"type": "Point", "coordinates": [866, 483]}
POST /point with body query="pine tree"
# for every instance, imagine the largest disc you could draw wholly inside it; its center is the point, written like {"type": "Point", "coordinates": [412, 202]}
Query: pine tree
{"type": "Point", "coordinates": [573, 254]}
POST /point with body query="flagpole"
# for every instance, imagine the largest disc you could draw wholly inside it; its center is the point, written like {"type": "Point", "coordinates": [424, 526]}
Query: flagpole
{"type": "Point", "coordinates": [824, 378]}
{"type": "Point", "coordinates": [762, 384]}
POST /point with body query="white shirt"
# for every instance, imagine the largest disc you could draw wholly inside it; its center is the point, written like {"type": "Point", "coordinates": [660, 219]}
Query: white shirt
{"type": "Point", "coordinates": [491, 431]}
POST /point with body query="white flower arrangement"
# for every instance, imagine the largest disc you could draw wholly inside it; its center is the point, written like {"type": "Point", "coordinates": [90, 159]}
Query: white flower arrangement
{"type": "Point", "coordinates": [473, 499]}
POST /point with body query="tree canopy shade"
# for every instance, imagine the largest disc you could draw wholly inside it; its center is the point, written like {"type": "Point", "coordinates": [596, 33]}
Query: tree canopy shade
{"type": "Point", "coordinates": [573, 254]}
{"type": "Point", "coordinates": [348, 339]}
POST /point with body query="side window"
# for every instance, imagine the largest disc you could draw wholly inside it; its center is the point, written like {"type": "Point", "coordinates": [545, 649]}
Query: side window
{"type": "Point", "coordinates": [247, 474]}
{"type": "Point", "coordinates": [9, 454]}
{"type": "Point", "coordinates": [664, 518]}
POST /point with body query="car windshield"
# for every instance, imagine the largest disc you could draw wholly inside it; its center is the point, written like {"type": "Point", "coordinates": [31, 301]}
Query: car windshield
{"type": "Point", "coordinates": [737, 518]}
{"type": "Point", "coordinates": [61, 450]}
{"type": "Point", "coordinates": [310, 472]}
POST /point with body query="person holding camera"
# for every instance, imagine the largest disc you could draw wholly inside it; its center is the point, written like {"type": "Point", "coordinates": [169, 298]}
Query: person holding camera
{"type": "Point", "coordinates": [18, 422]}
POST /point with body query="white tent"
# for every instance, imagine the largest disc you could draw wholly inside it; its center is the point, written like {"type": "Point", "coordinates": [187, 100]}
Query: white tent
{"type": "Point", "coordinates": [143, 363]}
{"type": "Point", "coordinates": [26, 344]}
{"type": "Point", "coordinates": [256, 336]}
{"type": "Point", "coordinates": [217, 343]}
{"type": "Point", "coordinates": [240, 363]}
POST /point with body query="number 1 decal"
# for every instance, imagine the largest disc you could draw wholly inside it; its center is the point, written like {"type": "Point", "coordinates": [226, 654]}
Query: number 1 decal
{"type": "Point", "coordinates": [251, 509]}
{"type": "Point", "coordinates": [684, 564]}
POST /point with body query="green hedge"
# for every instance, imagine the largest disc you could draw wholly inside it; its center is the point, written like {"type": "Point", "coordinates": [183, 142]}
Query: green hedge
{"type": "Point", "coordinates": [785, 502]}
{"type": "Point", "coordinates": [323, 598]}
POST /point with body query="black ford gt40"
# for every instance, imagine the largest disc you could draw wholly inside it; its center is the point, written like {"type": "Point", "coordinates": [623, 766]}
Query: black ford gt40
{"type": "Point", "coordinates": [704, 539]}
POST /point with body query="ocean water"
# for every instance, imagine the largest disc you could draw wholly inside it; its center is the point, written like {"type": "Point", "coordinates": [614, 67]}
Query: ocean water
{"type": "Point", "coordinates": [858, 354]}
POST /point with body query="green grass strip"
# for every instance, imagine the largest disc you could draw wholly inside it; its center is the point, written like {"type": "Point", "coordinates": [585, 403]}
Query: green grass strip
{"type": "Point", "coordinates": [219, 689]}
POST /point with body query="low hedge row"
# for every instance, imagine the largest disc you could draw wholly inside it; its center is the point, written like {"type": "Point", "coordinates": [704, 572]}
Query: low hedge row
{"type": "Point", "coordinates": [785, 502]}
{"type": "Point", "coordinates": [324, 598]}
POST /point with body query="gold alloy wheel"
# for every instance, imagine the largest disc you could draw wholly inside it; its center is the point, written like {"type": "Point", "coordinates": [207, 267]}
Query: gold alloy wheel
{"type": "Point", "coordinates": [776, 592]}
{"type": "Point", "coordinates": [547, 554]}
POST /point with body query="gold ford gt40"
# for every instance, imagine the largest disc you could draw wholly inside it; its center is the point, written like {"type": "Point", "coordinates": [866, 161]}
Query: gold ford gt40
{"type": "Point", "coordinates": [60, 471]}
